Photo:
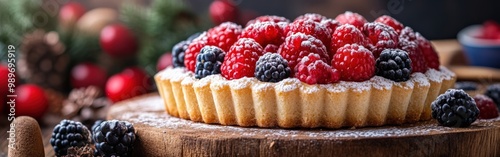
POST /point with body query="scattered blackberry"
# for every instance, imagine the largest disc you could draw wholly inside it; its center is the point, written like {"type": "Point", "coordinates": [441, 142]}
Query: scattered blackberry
{"type": "Point", "coordinates": [394, 64]}
{"type": "Point", "coordinates": [493, 91]}
{"type": "Point", "coordinates": [271, 67]}
{"type": "Point", "coordinates": [179, 49]}
{"type": "Point", "coordinates": [114, 138]}
{"type": "Point", "coordinates": [455, 108]}
{"type": "Point", "coordinates": [466, 85]}
{"type": "Point", "coordinates": [69, 134]}
{"type": "Point", "coordinates": [209, 61]}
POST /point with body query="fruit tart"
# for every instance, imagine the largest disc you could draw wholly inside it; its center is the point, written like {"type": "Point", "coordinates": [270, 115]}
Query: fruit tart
{"type": "Point", "coordinates": [308, 73]}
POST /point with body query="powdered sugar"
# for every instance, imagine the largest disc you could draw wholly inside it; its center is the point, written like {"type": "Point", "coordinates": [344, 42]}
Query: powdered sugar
{"type": "Point", "coordinates": [381, 83]}
{"type": "Point", "coordinates": [420, 79]}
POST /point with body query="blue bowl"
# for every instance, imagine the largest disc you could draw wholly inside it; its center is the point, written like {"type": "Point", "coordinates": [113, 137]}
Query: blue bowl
{"type": "Point", "coordinates": [479, 52]}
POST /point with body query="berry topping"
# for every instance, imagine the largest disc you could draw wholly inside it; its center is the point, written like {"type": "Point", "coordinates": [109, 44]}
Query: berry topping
{"type": "Point", "coordinates": [455, 108]}
{"type": "Point", "coordinates": [192, 51]}
{"type": "Point", "coordinates": [313, 70]}
{"type": "Point", "coordinates": [407, 34]}
{"type": "Point", "coordinates": [224, 35]}
{"type": "Point", "coordinates": [394, 64]}
{"type": "Point", "coordinates": [271, 48]}
{"type": "Point", "coordinates": [493, 91]}
{"type": "Point", "coordinates": [268, 18]}
{"type": "Point", "coordinates": [351, 18]}
{"type": "Point", "coordinates": [330, 24]}
{"type": "Point", "coordinates": [487, 108]}
{"type": "Point", "coordinates": [310, 28]}
{"type": "Point", "coordinates": [381, 36]}
{"type": "Point", "coordinates": [69, 134]}
{"type": "Point", "coordinates": [178, 53]}
{"type": "Point", "coordinates": [346, 34]}
{"type": "Point", "coordinates": [209, 61]}
{"type": "Point", "coordinates": [264, 33]}
{"type": "Point", "coordinates": [354, 62]}
{"type": "Point", "coordinates": [241, 58]}
{"type": "Point", "coordinates": [417, 59]}
{"type": "Point", "coordinates": [271, 67]}
{"type": "Point", "coordinates": [299, 45]}
{"type": "Point", "coordinates": [389, 21]}
{"type": "Point", "coordinates": [430, 55]}
{"type": "Point", "coordinates": [114, 138]}
{"type": "Point", "coordinates": [466, 85]}
{"type": "Point", "coordinates": [311, 16]}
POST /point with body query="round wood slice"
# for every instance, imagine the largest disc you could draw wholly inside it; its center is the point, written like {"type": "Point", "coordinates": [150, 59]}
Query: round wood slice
{"type": "Point", "coordinates": [159, 134]}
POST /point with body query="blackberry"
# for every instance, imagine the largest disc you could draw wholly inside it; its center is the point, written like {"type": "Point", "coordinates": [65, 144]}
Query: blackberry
{"type": "Point", "coordinates": [68, 134]}
{"type": "Point", "coordinates": [193, 36]}
{"type": "Point", "coordinates": [466, 85]}
{"type": "Point", "coordinates": [455, 108]}
{"type": "Point", "coordinates": [114, 138]}
{"type": "Point", "coordinates": [179, 49]}
{"type": "Point", "coordinates": [394, 64]}
{"type": "Point", "coordinates": [493, 91]}
{"type": "Point", "coordinates": [271, 67]}
{"type": "Point", "coordinates": [209, 61]}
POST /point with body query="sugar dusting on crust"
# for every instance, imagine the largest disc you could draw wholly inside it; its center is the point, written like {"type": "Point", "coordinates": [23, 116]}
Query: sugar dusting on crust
{"type": "Point", "coordinates": [420, 79]}
{"type": "Point", "coordinates": [381, 83]}
{"type": "Point", "coordinates": [151, 113]}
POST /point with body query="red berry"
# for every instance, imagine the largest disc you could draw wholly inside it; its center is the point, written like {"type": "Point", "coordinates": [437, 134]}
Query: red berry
{"type": "Point", "coordinates": [491, 30]}
{"type": "Point", "coordinates": [223, 11]}
{"type": "Point", "coordinates": [346, 34]}
{"type": "Point", "coordinates": [241, 59]}
{"type": "Point", "coordinates": [313, 70]}
{"type": "Point", "coordinates": [310, 28]}
{"type": "Point", "coordinates": [70, 13]}
{"type": "Point", "coordinates": [354, 62]}
{"type": "Point", "coordinates": [381, 36]}
{"type": "Point", "coordinates": [192, 51]}
{"type": "Point", "coordinates": [330, 24]}
{"type": "Point", "coordinates": [31, 101]}
{"type": "Point", "coordinates": [118, 41]}
{"type": "Point", "coordinates": [351, 18]}
{"type": "Point", "coordinates": [299, 45]}
{"type": "Point", "coordinates": [88, 74]}
{"type": "Point", "coordinates": [407, 34]}
{"type": "Point", "coordinates": [417, 58]}
{"type": "Point", "coordinates": [271, 48]}
{"type": "Point", "coordinates": [164, 61]}
{"type": "Point", "coordinates": [122, 86]}
{"type": "Point", "coordinates": [4, 80]}
{"type": "Point", "coordinates": [430, 55]}
{"type": "Point", "coordinates": [487, 108]}
{"type": "Point", "coordinates": [224, 35]}
{"type": "Point", "coordinates": [140, 76]}
{"type": "Point", "coordinates": [264, 33]}
{"type": "Point", "coordinates": [389, 21]}
{"type": "Point", "coordinates": [269, 18]}
{"type": "Point", "coordinates": [311, 16]}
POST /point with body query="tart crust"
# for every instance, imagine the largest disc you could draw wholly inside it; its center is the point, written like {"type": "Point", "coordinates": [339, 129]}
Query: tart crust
{"type": "Point", "coordinates": [291, 103]}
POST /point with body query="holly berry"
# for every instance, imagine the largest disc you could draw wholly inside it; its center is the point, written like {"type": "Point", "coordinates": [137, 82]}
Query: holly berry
{"type": "Point", "coordinates": [118, 41]}
{"type": "Point", "coordinates": [70, 13]}
{"type": "Point", "coordinates": [31, 101]}
{"type": "Point", "coordinates": [4, 76]}
{"type": "Point", "coordinates": [164, 61]}
{"type": "Point", "coordinates": [88, 74]}
{"type": "Point", "coordinates": [223, 11]}
{"type": "Point", "coordinates": [129, 83]}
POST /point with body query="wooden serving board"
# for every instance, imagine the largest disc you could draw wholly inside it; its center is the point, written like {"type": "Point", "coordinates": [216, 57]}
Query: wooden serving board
{"type": "Point", "coordinates": [162, 135]}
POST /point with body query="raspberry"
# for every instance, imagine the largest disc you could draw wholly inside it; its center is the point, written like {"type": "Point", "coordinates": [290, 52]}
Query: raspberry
{"type": "Point", "coordinates": [407, 34]}
{"type": "Point", "coordinates": [351, 18]}
{"type": "Point", "coordinates": [330, 24]}
{"type": "Point", "coordinates": [346, 34]}
{"type": "Point", "coordinates": [271, 48]}
{"type": "Point", "coordinates": [268, 18]}
{"type": "Point", "coordinates": [299, 45]}
{"type": "Point", "coordinates": [241, 58]}
{"type": "Point", "coordinates": [271, 67]}
{"type": "Point", "coordinates": [311, 16]}
{"type": "Point", "coordinates": [493, 91]}
{"type": "Point", "coordinates": [394, 64]}
{"type": "Point", "coordinates": [381, 36]}
{"type": "Point", "coordinates": [264, 33]}
{"type": "Point", "coordinates": [430, 55]}
{"type": "Point", "coordinates": [67, 134]}
{"type": "Point", "coordinates": [454, 108]}
{"type": "Point", "coordinates": [179, 49]}
{"type": "Point", "coordinates": [193, 50]}
{"type": "Point", "coordinates": [355, 63]}
{"type": "Point", "coordinates": [417, 59]}
{"type": "Point", "coordinates": [209, 61]}
{"type": "Point", "coordinates": [223, 10]}
{"type": "Point", "coordinates": [487, 108]}
{"type": "Point", "coordinates": [224, 35]}
{"type": "Point", "coordinates": [310, 28]}
{"type": "Point", "coordinates": [313, 70]}
{"type": "Point", "coordinates": [466, 85]}
{"type": "Point", "coordinates": [389, 21]}
{"type": "Point", "coordinates": [114, 138]}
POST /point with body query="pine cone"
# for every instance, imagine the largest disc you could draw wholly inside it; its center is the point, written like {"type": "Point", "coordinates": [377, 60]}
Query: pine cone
{"type": "Point", "coordinates": [86, 151]}
{"type": "Point", "coordinates": [85, 105]}
{"type": "Point", "coordinates": [55, 99]}
{"type": "Point", "coordinates": [43, 61]}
